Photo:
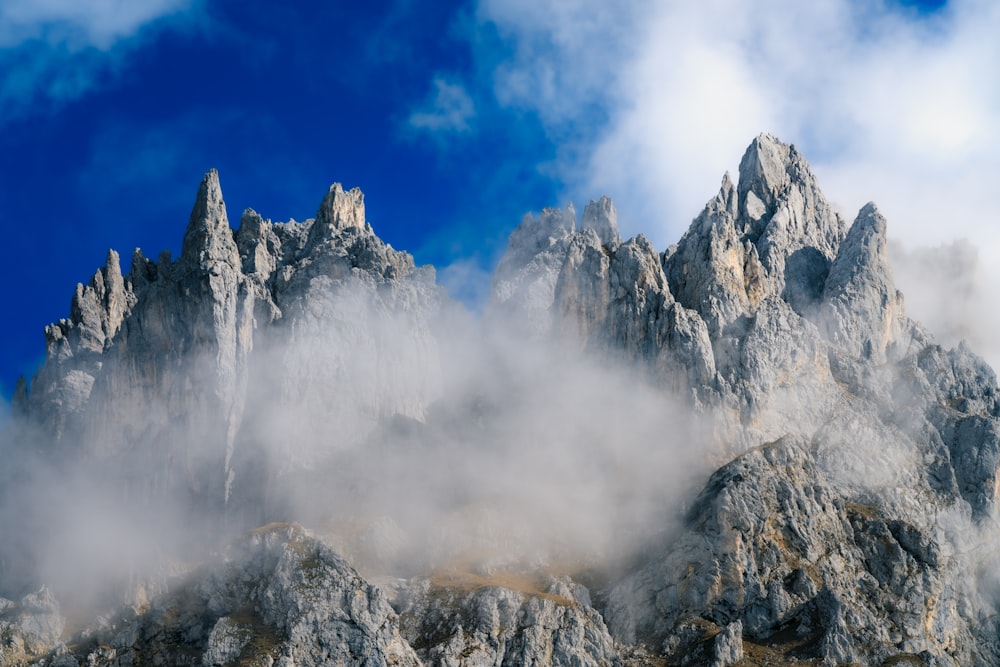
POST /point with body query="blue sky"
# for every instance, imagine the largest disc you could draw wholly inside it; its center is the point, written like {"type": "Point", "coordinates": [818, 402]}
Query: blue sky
{"type": "Point", "coordinates": [457, 117]}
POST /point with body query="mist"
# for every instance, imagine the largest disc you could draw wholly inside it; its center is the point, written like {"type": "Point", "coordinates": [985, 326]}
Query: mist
{"type": "Point", "coordinates": [949, 290]}
{"type": "Point", "coordinates": [409, 445]}
{"type": "Point", "coordinates": [524, 450]}
{"type": "Point", "coordinates": [418, 437]}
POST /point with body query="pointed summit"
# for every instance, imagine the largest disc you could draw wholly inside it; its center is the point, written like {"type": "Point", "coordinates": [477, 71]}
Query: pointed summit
{"type": "Point", "coordinates": [861, 305]}
{"type": "Point", "coordinates": [775, 176]}
{"type": "Point", "coordinates": [338, 211]}
{"type": "Point", "coordinates": [208, 237]}
{"type": "Point", "coordinates": [724, 204]}
{"type": "Point", "coordinates": [783, 212]}
{"type": "Point", "coordinates": [765, 169]}
{"type": "Point", "coordinates": [862, 252]}
{"type": "Point", "coordinates": [602, 218]}
{"type": "Point", "coordinates": [774, 234]}
{"type": "Point", "coordinates": [342, 209]}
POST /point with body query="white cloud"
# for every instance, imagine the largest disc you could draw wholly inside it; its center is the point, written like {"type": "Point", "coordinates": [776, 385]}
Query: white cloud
{"type": "Point", "coordinates": [887, 104]}
{"type": "Point", "coordinates": [450, 109]}
{"type": "Point", "coordinates": [58, 50]}
{"type": "Point", "coordinates": [97, 23]}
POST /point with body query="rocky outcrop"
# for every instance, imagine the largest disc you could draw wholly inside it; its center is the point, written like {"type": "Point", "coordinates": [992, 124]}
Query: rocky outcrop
{"type": "Point", "coordinates": [503, 618]}
{"type": "Point", "coordinates": [859, 459]}
{"type": "Point", "coordinates": [799, 332]}
{"type": "Point", "coordinates": [524, 282]}
{"type": "Point", "coordinates": [592, 291]}
{"type": "Point", "coordinates": [276, 596]}
{"type": "Point", "coordinates": [773, 550]}
{"type": "Point", "coordinates": [29, 628]}
{"type": "Point", "coordinates": [75, 347]}
{"type": "Point", "coordinates": [185, 367]}
{"type": "Point", "coordinates": [861, 311]}
{"type": "Point", "coordinates": [772, 235]}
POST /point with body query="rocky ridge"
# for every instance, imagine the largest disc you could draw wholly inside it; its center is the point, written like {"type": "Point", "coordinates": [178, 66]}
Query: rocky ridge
{"type": "Point", "coordinates": [859, 456]}
{"type": "Point", "coordinates": [155, 369]}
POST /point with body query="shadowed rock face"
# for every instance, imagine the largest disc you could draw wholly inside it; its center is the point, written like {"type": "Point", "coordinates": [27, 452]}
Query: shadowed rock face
{"type": "Point", "coordinates": [858, 458]}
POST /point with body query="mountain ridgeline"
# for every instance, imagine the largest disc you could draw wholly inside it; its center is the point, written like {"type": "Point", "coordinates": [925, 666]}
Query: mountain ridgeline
{"type": "Point", "coordinates": [289, 445]}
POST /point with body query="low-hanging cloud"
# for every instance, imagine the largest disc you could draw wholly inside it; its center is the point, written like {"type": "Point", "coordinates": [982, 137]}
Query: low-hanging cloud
{"type": "Point", "coordinates": [949, 291]}
{"type": "Point", "coordinates": [525, 451]}
{"type": "Point", "coordinates": [411, 440]}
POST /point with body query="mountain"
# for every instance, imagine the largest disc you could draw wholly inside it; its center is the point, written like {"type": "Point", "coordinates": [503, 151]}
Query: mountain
{"type": "Point", "coordinates": [738, 451]}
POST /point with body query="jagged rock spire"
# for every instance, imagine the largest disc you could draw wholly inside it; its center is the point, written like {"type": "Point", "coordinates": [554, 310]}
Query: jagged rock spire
{"type": "Point", "coordinates": [765, 171]}
{"type": "Point", "coordinates": [342, 208]}
{"type": "Point", "coordinates": [772, 235]}
{"type": "Point", "coordinates": [97, 309]}
{"type": "Point", "coordinates": [339, 210]}
{"type": "Point", "coordinates": [209, 238]}
{"type": "Point", "coordinates": [711, 268]}
{"type": "Point", "coordinates": [781, 207]}
{"type": "Point", "coordinates": [860, 303]}
{"type": "Point", "coordinates": [602, 218]}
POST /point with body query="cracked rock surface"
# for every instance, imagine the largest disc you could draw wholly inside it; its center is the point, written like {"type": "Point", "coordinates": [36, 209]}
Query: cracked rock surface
{"type": "Point", "coordinates": [849, 518]}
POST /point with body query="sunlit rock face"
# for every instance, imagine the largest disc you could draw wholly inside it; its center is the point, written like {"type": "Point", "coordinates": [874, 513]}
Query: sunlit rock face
{"type": "Point", "coordinates": [469, 469]}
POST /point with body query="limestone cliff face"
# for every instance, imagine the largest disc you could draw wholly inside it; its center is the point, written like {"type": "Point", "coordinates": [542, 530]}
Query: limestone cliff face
{"type": "Point", "coordinates": [591, 290]}
{"type": "Point", "coordinates": [857, 460]}
{"type": "Point", "coordinates": [772, 546]}
{"type": "Point", "coordinates": [785, 323]}
{"type": "Point", "coordinates": [155, 370]}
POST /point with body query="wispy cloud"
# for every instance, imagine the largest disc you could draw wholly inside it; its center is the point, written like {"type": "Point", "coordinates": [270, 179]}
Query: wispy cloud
{"type": "Point", "coordinates": [652, 100]}
{"type": "Point", "coordinates": [55, 51]}
{"type": "Point", "coordinates": [80, 23]}
{"type": "Point", "coordinates": [448, 109]}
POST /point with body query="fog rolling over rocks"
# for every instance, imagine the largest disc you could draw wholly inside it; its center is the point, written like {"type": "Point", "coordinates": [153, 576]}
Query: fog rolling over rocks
{"type": "Point", "coordinates": [289, 445]}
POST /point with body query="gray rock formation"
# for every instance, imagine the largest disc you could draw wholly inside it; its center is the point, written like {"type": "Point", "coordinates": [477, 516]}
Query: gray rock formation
{"type": "Point", "coordinates": [804, 336]}
{"type": "Point", "coordinates": [728, 645]}
{"type": "Point", "coordinates": [524, 282]}
{"type": "Point", "coordinates": [503, 618]}
{"type": "Point", "coordinates": [860, 308]}
{"type": "Point", "coordinates": [180, 366]}
{"type": "Point", "coordinates": [849, 520]}
{"type": "Point", "coordinates": [30, 627]}
{"type": "Point", "coordinates": [592, 291]}
{"type": "Point", "coordinates": [770, 546]}
{"type": "Point", "coordinates": [276, 596]}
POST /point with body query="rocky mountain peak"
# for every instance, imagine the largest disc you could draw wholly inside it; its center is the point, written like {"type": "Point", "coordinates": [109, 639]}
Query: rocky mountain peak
{"type": "Point", "coordinates": [773, 235]}
{"type": "Point", "coordinates": [726, 200]}
{"type": "Point", "coordinates": [765, 171]}
{"type": "Point", "coordinates": [781, 207]}
{"type": "Point", "coordinates": [861, 308]}
{"type": "Point", "coordinates": [863, 250]}
{"type": "Point", "coordinates": [257, 244]}
{"type": "Point", "coordinates": [309, 371]}
{"type": "Point", "coordinates": [602, 218]}
{"type": "Point", "coordinates": [342, 209]}
{"type": "Point", "coordinates": [209, 238]}
{"type": "Point", "coordinates": [525, 279]}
